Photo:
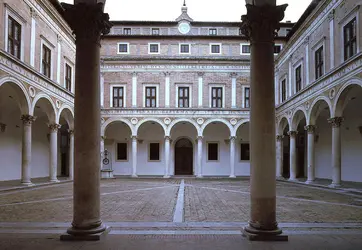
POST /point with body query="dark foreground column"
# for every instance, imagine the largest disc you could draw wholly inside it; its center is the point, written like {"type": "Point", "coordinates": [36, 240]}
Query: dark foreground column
{"type": "Point", "coordinates": [88, 22]}
{"type": "Point", "coordinates": [259, 25]}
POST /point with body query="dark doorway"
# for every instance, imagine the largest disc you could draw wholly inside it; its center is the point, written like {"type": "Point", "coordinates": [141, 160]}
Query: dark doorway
{"type": "Point", "coordinates": [64, 153]}
{"type": "Point", "coordinates": [286, 155]}
{"type": "Point", "coordinates": [184, 157]}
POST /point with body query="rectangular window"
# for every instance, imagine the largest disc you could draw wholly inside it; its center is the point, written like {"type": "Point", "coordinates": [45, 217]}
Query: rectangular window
{"type": "Point", "coordinates": [284, 90]}
{"type": "Point", "coordinates": [118, 97]}
{"type": "Point", "coordinates": [298, 78]}
{"type": "Point", "coordinates": [122, 152]}
{"type": "Point", "coordinates": [319, 62]}
{"type": "Point", "coordinates": [212, 151]}
{"type": "Point", "coordinates": [127, 31]}
{"type": "Point", "coordinates": [14, 37]}
{"type": "Point", "coordinates": [216, 97]}
{"type": "Point", "coordinates": [350, 39]}
{"type": "Point", "coordinates": [123, 48]}
{"type": "Point", "coordinates": [245, 49]}
{"type": "Point", "coordinates": [153, 48]}
{"type": "Point", "coordinates": [155, 31]}
{"type": "Point", "coordinates": [154, 152]}
{"type": "Point", "coordinates": [277, 49]}
{"type": "Point", "coordinates": [247, 97]}
{"type": "Point", "coordinates": [46, 61]}
{"type": "Point", "coordinates": [245, 152]}
{"type": "Point", "coordinates": [212, 32]}
{"type": "Point", "coordinates": [68, 77]}
{"type": "Point", "coordinates": [150, 97]}
{"type": "Point", "coordinates": [183, 97]}
{"type": "Point", "coordinates": [215, 49]}
{"type": "Point", "coordinates": [185, 48]}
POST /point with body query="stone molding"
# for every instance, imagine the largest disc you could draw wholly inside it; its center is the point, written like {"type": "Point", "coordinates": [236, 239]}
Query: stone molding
{"type": "Point", "coordinates": [191, 67]}
{"type": "Point", "coordinates": [28, 119]}
{"type": "Point", "coordinates": [292, 133]}
{"type": "Point", "coordinates": [310, 129]}
{"type": "Point", "coordinates": [336, 122]}
{"type": "Point", "coordinates": [54, 127]}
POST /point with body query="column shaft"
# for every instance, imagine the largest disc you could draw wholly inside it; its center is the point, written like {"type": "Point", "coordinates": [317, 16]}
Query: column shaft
{"type": "Point", "coordinates": [53, 153]}
{"type": "Point", "coordinates": [199, 156]}
{"type": "Point", "coordinates": [279, 168]}
{"type": "Point", "coordinates": [167, 157]}
{"type": "Point", "coordinates": [293, 155]}
{"type": "Point", "coordinates": [336, 151]}
{"type": "Point", "coordinates": [232, 156]}
{"type": "Point", "coordinates": [311, 152]}
{"type": "Point", "coordinates": [26, 149]}
{"type": "Point", "coordinates": [71, 154]}
{"type": "Point", "coordinates": [134, 156]}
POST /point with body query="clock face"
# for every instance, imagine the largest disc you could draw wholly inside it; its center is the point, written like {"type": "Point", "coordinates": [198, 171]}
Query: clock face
{"type": "Point", "coordinates": [184, 28]}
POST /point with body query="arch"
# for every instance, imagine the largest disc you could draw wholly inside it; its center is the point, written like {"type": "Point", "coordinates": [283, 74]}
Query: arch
{"type": "Point", "coordinates": [193, 143]}
{"type": "Point", "coordinates": [24, 104]}
{"type": "Point", "coordinates": [117, 119]}
{"type": "Point", "coordinates": [297, 116]}
{"type": "Point", "coordinates": [174, 122]}
{"type": "Point", "coordinates": [340, 101]}
{"type": "Point", "coordinates": [151, 120]}
{"type": "Point", "coordinates": [315, 110]}
{"type": "Point", "coordinates": [69, 115]}
{"type": "Point", "coordinates": [284, 121]}
{"type": "Point", "coordinates": [50, 111]}
{"type": "Point", "coordinates": [237, 126]}
{"type": "Point", "coordinates": [216, 120]}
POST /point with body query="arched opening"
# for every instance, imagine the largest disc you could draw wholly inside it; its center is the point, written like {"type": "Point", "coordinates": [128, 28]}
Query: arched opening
{"type": "Point", "coordinates": [285, 150]}
{"type": "Point", "coordinates": [184, 157]}
{"type": "Point", "coordinates": [299, 123]}
{"type": "Point", "coordinates": [63, 148]}
{"type": "Point", "coordinates": [242, 150]}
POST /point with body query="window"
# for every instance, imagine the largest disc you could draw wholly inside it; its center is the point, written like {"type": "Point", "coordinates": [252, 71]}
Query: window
{"type": "Point", "coordinates": [123, 48]}
{"type": "Point", "coordinates": [245, 152]}
{"type": "Point", "coordinates": [183, 97]}
{"type": "Point", "coordinates": [215, 49]}
{"type": "Point", "coordinates": [118, 97]}
{"type": "Point", "coordinates": [212, 151]}
{"type": "Point", "coordinates": [155, 31]}
{"type": "Point", "coordinates": [68, 77]}
{"type": "Point", "coordinates": [247, 97]}
{"type": "Point", "coordinates": [122, 151]}
{"type": "Point", "coordinates": [245, 49]}
{"type": "Point", "coordinates": [14, 37]}
{"type": "Point", "coordinates": [153, 48]}
{"type": "Point", "coordinates": [240, 32]}
{"type": "Point", "coordinates": [212, 32]}
{"type": "Point", "coordinates": [298, 78]}
{"type": "Point", "coordinates": [288, 31]}
{"type": "Point", "coordinates": [277, 49]}
{"type": "Point", "coordinates": [154, 152]}
{"type": "Point", "coordinates": [150, 97]}
{"type": "Point", "coordinates": [46, 61]}
{"type": "Point", "coordinates": [319, 63]}
{"type": "Point", "coordinates": [284, 90]}
{"type": "Point", "coordinates": [350, 39]}
{"type": "Point", "coordinates": [127, 31]}
{"type": "Point", "coordinates": [184, 48]}
{"type": "Point", "coordinates": [216, 97]}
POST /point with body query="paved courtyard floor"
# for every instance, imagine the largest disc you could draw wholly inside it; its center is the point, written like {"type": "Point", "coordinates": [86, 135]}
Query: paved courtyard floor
{"type": "Point", "coordinates": [209, 213]}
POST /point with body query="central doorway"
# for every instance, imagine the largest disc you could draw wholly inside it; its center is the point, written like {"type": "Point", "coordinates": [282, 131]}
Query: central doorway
{"type": "Point", "coordinates": [184, 157]}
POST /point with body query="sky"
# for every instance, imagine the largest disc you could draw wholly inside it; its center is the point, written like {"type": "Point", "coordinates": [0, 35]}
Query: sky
{"type": "Point", "coordinates": [199, 10]}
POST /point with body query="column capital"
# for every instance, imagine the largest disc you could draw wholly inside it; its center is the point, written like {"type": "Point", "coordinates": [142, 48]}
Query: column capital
{"type": "Point", "coordinates": [292, 133]}
{"type": "Point", "coordinates": [306, 40]}
{"type": "Point", "coordinates": [280, 137]}
{"type": "Point", "coordinates": [134, 137]}
{"type": "Point", "coordinates": [260, 22]}
{"type": "Point", "coordinates": [199, 138]}
{"type": "Point", "coordinates": [310, 129]}
{"type": "Point", "coordinates": [28, 119]}
{"type": "Point", "coordinates": [200, 74]}
{"type": "Point", "coordinates": [59, 39]}
{"type": "Point", "coordinates": [93, 21]}
{"type": "Point", "coordinates": [167, 73]}
{"type": "Point", "coordinates": [331, 15]}
{"type": "Point", "coordinates": [33, 13]}
{"type": "Point", "coordinates": [70, 131]}
{"type": "Point", "coordinates": [233, 75]}
{"type": "Point", "coordinates": [232, 138]}
{"type": "Point", "coordinates": [54, 127]}
{"type": "Point", "coordinates": [167, 138]}
{"type": "Point", "coordinates": [134, 74]}
{"type": "Point", "coordinates": [2, 127]}
{"type": "Point", "coordinates": [336, 121]}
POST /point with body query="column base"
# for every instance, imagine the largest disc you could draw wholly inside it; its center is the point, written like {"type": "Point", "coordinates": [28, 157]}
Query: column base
{"type": "Point", "coordinates": [166, 176]}
{"type": "Point", "coordinates": [199, 176]}
{"type": "Point", "coordinates": [54, 180]}
{"type": "Point", "coordinates": [292, 179]}
{"type": "Point", "coordinates": [85, 235]}
{"type": "Point", "coordinates": [134, 176]}
{"type": "Point", "coordinates": [232, 176]}
{"type": "Point", "coordinates": [253, 234]}
{"type": "Point", "coordinates": [107, 174]}
{"type": "Point", "coordinates": [334, 185]}
{"type": "Point", "coordinates": [27, 183]}
{"type": "Point", "coordinates": [309, 182]}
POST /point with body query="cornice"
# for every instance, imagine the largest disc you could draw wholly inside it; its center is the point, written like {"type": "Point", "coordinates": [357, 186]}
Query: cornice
{"type": "Point", "coordinates": [240, 59]}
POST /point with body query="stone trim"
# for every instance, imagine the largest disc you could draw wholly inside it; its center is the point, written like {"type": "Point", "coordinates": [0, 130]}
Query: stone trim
{"type": "Point", "coordinates": [310, 129]}
{"type": "Point", "coordinates": [28, 119]}
{"type": "Point", "coordinates": [336, 122]}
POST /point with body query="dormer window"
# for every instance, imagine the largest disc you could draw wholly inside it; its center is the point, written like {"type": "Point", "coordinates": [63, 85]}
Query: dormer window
{"type": "Point", "coordinates": [127, 31]}
{"type": "Point", "coordinates": [212, 32]}
{"type": "Point", "coordinates": [155, 31]}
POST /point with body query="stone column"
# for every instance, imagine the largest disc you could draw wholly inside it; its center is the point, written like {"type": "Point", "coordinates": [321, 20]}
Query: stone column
{"type": "Point", "coordinates": [259, 26]}
{"type": "Point", "coordinates": [59, 59]}
{"type": "Point", "coordinates": [233, 89]}
{"type": "Point", "coordinates": [102, 150]}
{"type": "Point", "coordinates": [277, 87]}
{"type": "Point", "coordinates": [201, 93]}
{"type": "Point", "coordinates": [199, 156]}
{"type": "Point", "coordinates": [336, 150]}
{"type": "Point", "coordinates": [87, 224]}
{"type": "Point", "coordinates": [280, 156]}
{"type": "Point", "coordinates": [26, 149]}
{"type": "Point", "coordinates": [167, 89]}
{"type": "Point", "coordinates": [311, 152]}
{"type": "Point", "coordinates": [34, 15]}
{"type": "Point", "coordinates": [232, 156]}
{"type": "Point", "coordinates": [306, 42]}
{"type": "Point", "coordinates": [134, 156]}
{"type": "Point", "coordinates": [167, 156]}
{"type": "Point", "coordinates": [290, 76]}
{"type": "Point", "coordinates": [331, 35]}
{"type": "Point", "coordinates": [293, 155]}
{"type": "Point", "coordinates": [134, 90]}
{"type": "Point", "coordinates": [102, 89]}
{"type": "Point", "coordinates": [71, 154]}
{"type": "Point", "coordinates": [53, 152]}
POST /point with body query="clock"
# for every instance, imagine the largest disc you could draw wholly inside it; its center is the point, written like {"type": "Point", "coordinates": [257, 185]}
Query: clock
{"type": "Point", "coordinates": [184, 28]}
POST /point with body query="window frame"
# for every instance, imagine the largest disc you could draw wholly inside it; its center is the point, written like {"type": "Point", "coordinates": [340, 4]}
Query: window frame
{"type": "Point", "coordinates": [284, 79]}
{"type": "Point", "coordinates": [246, 98]}
{"type": "Point", "coordinates": [45, 46]}
{"type": "Point", "coordinates": [126, 33]}
{"type": "Point", "coordinates": [155, 29]}
{"type": "Point", "coordinates": [116, 151]}
{"type": "Point", "coordinates": [218, 151]}
{"type": "Point", "coordinates": [124, 86]}
{"type": "Point", "coordinates": [211, 33]}
{"type": "Point", "coordinates": [211, 86]}
{"type": "Point", "coordinates": [154, 53]}
{"type": "Point", "coordinates": [15, 40]}
{"type": "Point", "coordinates": [344, 21]}
{"type": "Point", "coordinates": [213, 44]}
{"type": "Point", "coordinates": [66, 65]}
{"type": "Point", "coordinates": [145, 86]}
{"type": "Point", "coordinates": [188, 85]}
{"type": "Point", "coordinates": [123, 53]}
{"type": "Point", "coordinates": [19, 19]}
{"type": "Point", "coordinates": [184, 53]}
{"type": "Point", "coordinates": [183, 98]}
{"type": "Point", "coordinates": [348, 45]}
{"type": "Point", "coordinates": [149, 151]}
{"type": "Point", "coordinates": [281, 47]}
{"type": "Point", "coordinates": [321, 65]}
{"type": "Point", "coordinates": [296, 67]}
{"type": "Point", "coordinates": [241, 48]}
